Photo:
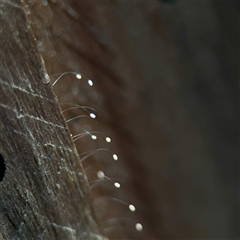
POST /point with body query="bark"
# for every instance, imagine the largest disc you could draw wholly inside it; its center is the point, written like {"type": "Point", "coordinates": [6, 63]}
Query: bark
{"type": "Point", "coordinates": [165, 82]}
{"type": "Point", "coordinates": [88, 37]}
{"type": "Point", "coordinates": [43, 189]}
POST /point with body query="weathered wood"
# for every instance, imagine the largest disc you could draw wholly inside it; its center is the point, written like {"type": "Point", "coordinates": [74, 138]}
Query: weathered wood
{"type": "Point", "coordinates": [88, 37]}
{"type": "Point", "coordinates": [187, 56]}
{"type": "Point", "coordinates": [43, 192]}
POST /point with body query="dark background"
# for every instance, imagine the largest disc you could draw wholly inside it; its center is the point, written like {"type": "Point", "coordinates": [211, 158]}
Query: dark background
{"type": "Point", "coordinates": [166, 77]}
{"type": "Point", "coordinates": [188, 52]}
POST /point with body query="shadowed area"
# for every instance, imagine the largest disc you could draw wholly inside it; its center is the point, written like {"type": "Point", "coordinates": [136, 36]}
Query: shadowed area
{"type": "Point", "coordinates": [165, 82]}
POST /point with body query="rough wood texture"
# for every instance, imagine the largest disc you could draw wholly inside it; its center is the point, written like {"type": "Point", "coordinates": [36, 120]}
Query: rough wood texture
{"type": "Point", "coordinates": [165, 83]}
{"type": "Point", "coordinates": [43, 194]}
{"type": "Point", "coordinates": [89, 37]}
{"type": "Point", "coordinates": [70, 36]}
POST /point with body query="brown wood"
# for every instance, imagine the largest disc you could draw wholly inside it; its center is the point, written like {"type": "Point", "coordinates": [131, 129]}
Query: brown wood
{"type": "Point", "coordinates": [164, 83]}
{"type": "Point", "coordinates": [43, 191]}
{"type": "Point", "coordinates": [88, 37]}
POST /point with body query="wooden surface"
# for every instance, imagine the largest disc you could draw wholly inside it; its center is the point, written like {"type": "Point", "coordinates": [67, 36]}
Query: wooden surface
{"type": "Point", "coordinates": [165, 85]}
{"type": "Point", "coordinates": [43, 193]}
{"type": "Point", "coordinates": [71, 38]}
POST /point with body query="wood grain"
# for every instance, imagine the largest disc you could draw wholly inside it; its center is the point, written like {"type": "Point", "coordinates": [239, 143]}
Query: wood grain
{"type": "Point", "coordinates": [43, 193]}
